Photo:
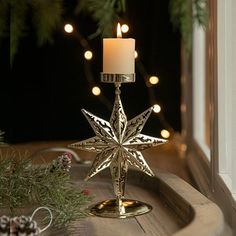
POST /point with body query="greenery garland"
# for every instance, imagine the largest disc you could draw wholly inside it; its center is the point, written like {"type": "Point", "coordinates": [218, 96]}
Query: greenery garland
{"type": "Point", "coordinates": [184, 13]}
{"type": "Point", "coordinates": [44, 16]}
{"type": "Point", "coordinates": [104, 12]}
{"type": "Point", "coordinates": [24, 185]}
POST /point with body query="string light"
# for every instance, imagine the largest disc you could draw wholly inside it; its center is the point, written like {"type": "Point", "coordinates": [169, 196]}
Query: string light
{"type": "Point", "coordinates": [156, 108]}
{"type": "Point", "coordinates": [124, 28]}
{"type": "Point", "coordinates": [88, 55]}
{"type": "Point", "coordinates": [153, 80]}
{"type": "Point", "coordinates": [165, 133]}
{"type": "Point", "coordinates": [96, 91]}
{"type": "Point", "coordinates": [68, 28]}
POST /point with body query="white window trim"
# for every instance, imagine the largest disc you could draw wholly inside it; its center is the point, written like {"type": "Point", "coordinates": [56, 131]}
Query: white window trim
{"type": "Point", "coordinates": [199, 77]}
{"type": "Point", "coordinates": [226, 38]}
{"type": "Point", "coordinates": [214, 176]}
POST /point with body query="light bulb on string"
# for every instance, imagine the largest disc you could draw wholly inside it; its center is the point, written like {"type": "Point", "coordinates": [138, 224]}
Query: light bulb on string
{"type": "Point", "coordinates": [153, 80]}
{"type": "Point", "coordinates": [124, 28]}
{"type": "Point", "coordinates": [68, 28]}
{"type": "Point", "coordinates": [135, 54]}
{"type": "Point", "coordinates": [165, 133]}
{"type": "Point", "coordinates": [156, 108]}
{"type": "Point", "coordinates": [88, 55]}
{"type": "Point", "coordinates": [96, 91]}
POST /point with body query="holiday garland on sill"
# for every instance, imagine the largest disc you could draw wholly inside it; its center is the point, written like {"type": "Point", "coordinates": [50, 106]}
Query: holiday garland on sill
{"type": "Point", "coordinates": [24, 185]}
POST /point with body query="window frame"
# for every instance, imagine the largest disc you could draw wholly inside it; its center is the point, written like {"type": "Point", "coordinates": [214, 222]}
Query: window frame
{"type": "Point", "coordinates": [207, 172]}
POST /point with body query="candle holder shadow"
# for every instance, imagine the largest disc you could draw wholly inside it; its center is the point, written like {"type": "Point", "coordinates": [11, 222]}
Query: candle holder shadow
{"type": "Point", "coordinates": [118, 144]}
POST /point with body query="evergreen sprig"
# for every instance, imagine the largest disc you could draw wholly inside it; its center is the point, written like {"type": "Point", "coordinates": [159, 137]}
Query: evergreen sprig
{"type": "Point", "coordinates": [183, 14]}
{"type": "Point", "coordinates": [43, 16]}
{"type": "Point", "coordinates": [4, 18]}
{"type": "Point", "coordinates": [23, 185]}
{"type": "Point", "coordinates": [46, 16]}
{"type": "Point", "coordinates": [19, 17]}
{"type": "Point", "coordinates": [104, 12]}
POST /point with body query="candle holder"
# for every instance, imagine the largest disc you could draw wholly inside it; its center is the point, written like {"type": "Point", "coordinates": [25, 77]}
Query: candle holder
{"type": "Point", "coordinates": [118, 143]}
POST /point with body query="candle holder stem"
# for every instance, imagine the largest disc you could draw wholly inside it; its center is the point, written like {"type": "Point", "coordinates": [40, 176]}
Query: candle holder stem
{"type": "Point", "coordinates": [117, 86]}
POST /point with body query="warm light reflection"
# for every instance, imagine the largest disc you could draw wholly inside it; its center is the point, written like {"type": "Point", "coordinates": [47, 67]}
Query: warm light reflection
{"type": "Point", "coordinates": [124, 28]}
{"type": "Point", "coordinates": [153, 80]}
{"type": "Point", "coordinates": [135, 54]}
{"type": "Point", "coordinates": [68, 28]}
{"type": "Point", "coordinates": [156, 108]}
{"type": "Point", "coordinates": [96, 91]}
{"type": "Point", "coordinates": [118, 32]}
{"type": "Point", "coordinates": [88, 55]}
{"type": "Point", "coordinates": [165, 133]}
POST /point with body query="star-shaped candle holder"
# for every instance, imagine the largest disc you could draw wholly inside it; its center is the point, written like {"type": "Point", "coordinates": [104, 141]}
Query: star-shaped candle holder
{"type": "Point", "coordinates": [118, 144]}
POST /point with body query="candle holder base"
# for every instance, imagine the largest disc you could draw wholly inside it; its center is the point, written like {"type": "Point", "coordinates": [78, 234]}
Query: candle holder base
{"type": "Point", "coordinates": [127, 208]}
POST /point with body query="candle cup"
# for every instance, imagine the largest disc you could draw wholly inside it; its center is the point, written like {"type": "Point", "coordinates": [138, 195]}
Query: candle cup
{"type": "Point", "coordinates": [117, 78]}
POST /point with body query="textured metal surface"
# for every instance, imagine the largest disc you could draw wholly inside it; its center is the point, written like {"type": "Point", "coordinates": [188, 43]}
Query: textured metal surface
{"type": "Point", "coordinates": [117, 78]}
{"type": "Point", "coordinates": [118, 143]}
{"type": "Point", "coordinates": [130, 208]}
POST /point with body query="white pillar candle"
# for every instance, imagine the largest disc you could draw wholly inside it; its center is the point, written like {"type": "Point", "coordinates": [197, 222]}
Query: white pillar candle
{"type": "Point", "coordinates": [118, 54]}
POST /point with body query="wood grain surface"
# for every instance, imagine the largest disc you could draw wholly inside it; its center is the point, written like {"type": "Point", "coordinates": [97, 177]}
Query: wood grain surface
{"type": "Point", "coordinates": [178, 208]}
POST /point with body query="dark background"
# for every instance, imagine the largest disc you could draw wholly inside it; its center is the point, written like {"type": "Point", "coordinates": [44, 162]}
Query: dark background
{"type": "Point", "coordinates": [43, 92]}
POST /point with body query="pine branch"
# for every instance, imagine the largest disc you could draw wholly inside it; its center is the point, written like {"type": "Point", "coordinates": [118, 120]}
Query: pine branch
{"type": "Point", "coordinates": [104, 12]}
{"type": "Point", "coordinates": [199, 13]}
{"type": "Point", "coordinates": [4, 18]}
{"type": "Point", "coordinates": [46, 17]}
{"type": "Point", "coordinates": [181, 18]}
{"type": "Point", "coordinates": [17, 24]}
{"type": "Point", "coordinates": [183, 13]}
{"type": "Point", "coordinates": [24, 185]}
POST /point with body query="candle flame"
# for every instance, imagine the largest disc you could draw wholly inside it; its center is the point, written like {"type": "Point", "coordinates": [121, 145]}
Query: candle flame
{"type": "Point", "coordinates": [118, 32]}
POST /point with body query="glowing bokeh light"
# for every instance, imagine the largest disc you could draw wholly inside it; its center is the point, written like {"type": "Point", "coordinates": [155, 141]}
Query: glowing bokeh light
{"type": "Point", "coordinates": [156, 108]}
{"type": "Point", "coordinates": [68, 28]}
{"type": "Point", "coordinates": [88, 55]}
{"type": "Point", "coordinates": [124, 28]}
{"type": "Point", "coordinates": [165, 133]}
{"type": "Point", "coordinates": [96, 91]}
{"type": "Point", "coordinates": [153, 80]}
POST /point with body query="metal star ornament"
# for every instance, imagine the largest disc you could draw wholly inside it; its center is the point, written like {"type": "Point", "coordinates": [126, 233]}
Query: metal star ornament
{"type": "Point", "coordinates": [118, 143]}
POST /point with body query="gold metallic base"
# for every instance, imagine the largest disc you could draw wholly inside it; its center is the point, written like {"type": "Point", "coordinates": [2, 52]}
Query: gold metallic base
{"type": "Point", "coordinates": [128, 208]}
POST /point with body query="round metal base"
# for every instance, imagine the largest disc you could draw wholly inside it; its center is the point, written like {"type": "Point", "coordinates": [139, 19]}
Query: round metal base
{"type": "Point", "coordinates": [128, 208]}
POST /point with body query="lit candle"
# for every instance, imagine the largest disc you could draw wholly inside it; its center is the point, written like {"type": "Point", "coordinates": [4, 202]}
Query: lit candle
{"type": "Point", "coordinates": [118, 54]}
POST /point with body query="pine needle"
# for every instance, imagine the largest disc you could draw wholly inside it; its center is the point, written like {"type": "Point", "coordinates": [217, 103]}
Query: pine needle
{"type": "Point", "coordinates": [24, 185]}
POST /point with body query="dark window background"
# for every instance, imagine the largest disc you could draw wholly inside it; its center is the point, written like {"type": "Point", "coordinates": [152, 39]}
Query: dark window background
{"type": "Point", "coordinates": [43, 92]}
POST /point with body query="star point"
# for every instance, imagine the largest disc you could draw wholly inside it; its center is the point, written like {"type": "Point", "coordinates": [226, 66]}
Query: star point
{"type": "Point", "coordinates": [117, 143]}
